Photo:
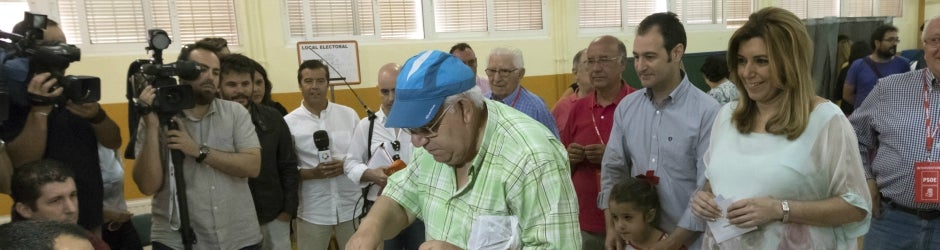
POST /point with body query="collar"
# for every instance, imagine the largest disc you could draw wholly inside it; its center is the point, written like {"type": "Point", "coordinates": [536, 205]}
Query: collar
{"type": "Point", "coordinates": [329, 107]}
{"type": "Point", "coordinates": [380, 116]}
{"type": "Point", "coordinates": [213, 107]}
{"type": "Point", "coordinates": [678, 93]}
{"type": "Point", "coordinates": [931, 78]}
{"type": "Point", "coordinates": [512, 96]}
{"type": "Point", "coordinates": [624, 90]}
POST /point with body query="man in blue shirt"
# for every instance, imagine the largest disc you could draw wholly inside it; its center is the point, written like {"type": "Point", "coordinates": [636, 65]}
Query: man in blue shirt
{"type": "Point", "coordinates": [505, 69]}
{"type": "Point", "coordinates": [864, 73]}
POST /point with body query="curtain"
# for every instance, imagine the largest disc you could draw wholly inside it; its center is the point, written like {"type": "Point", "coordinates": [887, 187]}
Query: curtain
{"type": "Point", "coordinates": [824, 32]}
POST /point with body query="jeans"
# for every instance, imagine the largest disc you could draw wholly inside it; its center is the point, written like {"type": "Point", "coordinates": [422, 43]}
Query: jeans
{"type": "Point", "coordinates": [895, 229]}
{"type": "Point", "coordinates": [408, 239]}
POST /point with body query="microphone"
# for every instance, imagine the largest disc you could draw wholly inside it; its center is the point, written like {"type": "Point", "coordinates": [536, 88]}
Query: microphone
{"type": "Point", "coordinates": [322, 141]}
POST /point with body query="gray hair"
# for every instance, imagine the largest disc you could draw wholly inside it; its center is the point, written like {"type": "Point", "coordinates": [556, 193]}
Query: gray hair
{"type": "Point", "coordinates": [514, 52]}
{"type": "Point", "coordinates": [475, 95]}
{"type": "Point", "coordinates": [923, 33]}
{"type": "Point", "coordinates": [577, 60]}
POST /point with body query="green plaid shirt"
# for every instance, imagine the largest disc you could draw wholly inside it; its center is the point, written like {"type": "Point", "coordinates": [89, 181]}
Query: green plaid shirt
{"type": "Point", "coordinates": [522, 170]}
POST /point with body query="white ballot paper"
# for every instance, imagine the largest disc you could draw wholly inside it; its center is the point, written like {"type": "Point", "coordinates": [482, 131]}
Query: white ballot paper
{"type": "Point", "coordinates": [494, 232]}
{"type": "Point", "coordinates": [721, 228]}
{"type": "Point", "coordinates": [380, 159]}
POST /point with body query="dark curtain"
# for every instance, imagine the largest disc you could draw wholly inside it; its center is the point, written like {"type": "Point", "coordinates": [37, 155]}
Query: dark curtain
{"type": "Point", "coordinates": [825, 32]}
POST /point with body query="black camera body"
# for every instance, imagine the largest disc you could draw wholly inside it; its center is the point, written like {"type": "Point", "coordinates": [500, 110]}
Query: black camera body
{"type": "Point", "coordinates": [171, 97]}
{"type": "Point", "coordinates": [53, 57]}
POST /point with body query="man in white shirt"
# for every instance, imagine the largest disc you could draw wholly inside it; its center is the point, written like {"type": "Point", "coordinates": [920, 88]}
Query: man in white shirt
{"type": "Point", "coordinates": [328, 200]}
{"type": "Point", "coordinates": [387, 145]}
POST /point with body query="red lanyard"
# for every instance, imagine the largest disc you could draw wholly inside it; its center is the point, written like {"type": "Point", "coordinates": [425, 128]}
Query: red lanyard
{"type": "Point", "coordinates": [930, 131]}
{"type": "Point", "coordinates": [514, 100]}
{"type": "Point", "coordinates": [596, 130]}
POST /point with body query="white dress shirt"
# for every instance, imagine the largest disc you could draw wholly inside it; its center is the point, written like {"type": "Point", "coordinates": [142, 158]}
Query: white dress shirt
{"type": "Point", "coordinates": [382, 140]}
{"type": "Point", "coordinates": [325, 201]}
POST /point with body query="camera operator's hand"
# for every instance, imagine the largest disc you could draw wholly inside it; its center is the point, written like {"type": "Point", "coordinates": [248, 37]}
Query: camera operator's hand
{"type": "Point", "coordinates": [147, 95]}
{"type": "Point", "coordinates": [40, 85]}
{"type": "Point", "coordinates": [179, 139]}
{"type": "Point", "coordinates": [84, 110]}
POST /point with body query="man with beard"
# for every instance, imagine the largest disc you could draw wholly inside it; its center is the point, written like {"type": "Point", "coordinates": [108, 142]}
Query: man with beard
{"type": "Point", "coordinates": [864, 73]}
{"type": "Point", "coordinates": [221, 152]}
{"type": "Point", "coordinates": [275, 189]}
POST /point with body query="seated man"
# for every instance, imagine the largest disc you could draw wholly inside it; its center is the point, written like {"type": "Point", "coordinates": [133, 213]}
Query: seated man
{"type": "Point", "coordinates": [43, 235]}
{"type": "Point", "coordinates": [45, 191]}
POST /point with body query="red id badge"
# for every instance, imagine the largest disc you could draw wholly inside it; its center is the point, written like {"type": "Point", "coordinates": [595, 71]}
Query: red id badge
{"type": "Point", "coordinates": [927, 182]}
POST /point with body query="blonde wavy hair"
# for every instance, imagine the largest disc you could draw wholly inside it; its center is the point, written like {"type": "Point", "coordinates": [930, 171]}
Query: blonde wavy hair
{"type": "Point", "coordinates": [790, 52]}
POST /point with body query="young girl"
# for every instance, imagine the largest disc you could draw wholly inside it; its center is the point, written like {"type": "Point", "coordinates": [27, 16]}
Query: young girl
{"type": "Point", "coordinates": [634, 207]}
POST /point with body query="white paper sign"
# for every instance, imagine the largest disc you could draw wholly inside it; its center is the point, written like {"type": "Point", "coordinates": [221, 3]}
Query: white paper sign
{"type": "Point", "coordinates": [341, 57]}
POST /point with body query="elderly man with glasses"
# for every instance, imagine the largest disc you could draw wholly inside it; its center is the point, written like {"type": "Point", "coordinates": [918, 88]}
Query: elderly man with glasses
{"type": "Point", "coordinates": [484, 172]}
{"type": "Point", "coordinates": [505, 69]}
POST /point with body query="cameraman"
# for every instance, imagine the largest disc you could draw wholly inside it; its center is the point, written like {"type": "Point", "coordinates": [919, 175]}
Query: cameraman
{"type": "Point", "coordinates": [221, 152]}
{"type": "Point", "coordinates": [45, 127]}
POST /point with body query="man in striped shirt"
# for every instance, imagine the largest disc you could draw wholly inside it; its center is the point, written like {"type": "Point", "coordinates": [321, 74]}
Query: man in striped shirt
{"type": "Point", "coordinates": [895, 144]}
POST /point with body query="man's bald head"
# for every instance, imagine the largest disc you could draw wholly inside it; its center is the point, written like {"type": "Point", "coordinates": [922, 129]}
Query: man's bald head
{"type": "Point", "coordinates": [388, 75]}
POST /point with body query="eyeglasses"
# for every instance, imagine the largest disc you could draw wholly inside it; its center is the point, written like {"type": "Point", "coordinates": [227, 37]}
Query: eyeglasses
{"type": "Point", "coordinates": [396, 145]}
{"type": "Point", "coordinates": [502, 72]}
{"type": "Point", "coordinates": [429, 131]}
{"type": "Point", "coordinates": [603, 61]}
{"type": "Point", "coordinates": [932, 42]}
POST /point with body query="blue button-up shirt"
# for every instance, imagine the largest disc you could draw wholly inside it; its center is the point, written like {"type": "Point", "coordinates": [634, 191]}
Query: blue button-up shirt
{"type": "Point", "coordinates": [670, 139]}
{"type": "Point", "coordinates": [533, 106]}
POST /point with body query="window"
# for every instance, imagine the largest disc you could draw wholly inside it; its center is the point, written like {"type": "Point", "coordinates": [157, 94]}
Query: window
{"type": "Point", "coordinates": [844, 8]}
{"type": "Point", "coordinates": [410, 19]}
{"type": "Point", "coordinates": [11, 12]}
{"type": "Point", "coordinates": [94, 22]}
{"type": "Point", "coordinates": [618, 14]}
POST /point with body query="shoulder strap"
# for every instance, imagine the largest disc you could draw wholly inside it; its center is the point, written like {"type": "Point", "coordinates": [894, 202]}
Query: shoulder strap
{"type": "Point", "coordinates": [871, 64]}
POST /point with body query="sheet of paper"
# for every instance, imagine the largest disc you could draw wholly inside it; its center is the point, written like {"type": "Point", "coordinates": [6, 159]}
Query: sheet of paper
{"type": "Point", "coordinates": [380, 159]}
{"type": "Point", "coordinates": [722, 229]}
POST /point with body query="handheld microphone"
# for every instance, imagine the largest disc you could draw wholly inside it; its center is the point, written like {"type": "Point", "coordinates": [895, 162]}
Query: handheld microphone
{"type": "Point", "coordinates": [322, 141]}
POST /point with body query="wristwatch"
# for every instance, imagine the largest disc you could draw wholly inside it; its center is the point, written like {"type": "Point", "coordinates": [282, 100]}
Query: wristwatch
{"type": "Point", "coordinates": [786, 211]}
{"type": "Point", "coordinates": [203, 152]}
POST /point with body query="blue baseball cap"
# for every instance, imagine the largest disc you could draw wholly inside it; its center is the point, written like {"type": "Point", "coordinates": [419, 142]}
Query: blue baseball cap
{"type": "Point", "coordinates": [424, 82]}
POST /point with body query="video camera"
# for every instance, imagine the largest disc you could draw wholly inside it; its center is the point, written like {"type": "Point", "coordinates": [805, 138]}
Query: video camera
{"type": "Point", "coordinates": [53, 57]}
{"type": "Point", "coordinates": [171, 97]}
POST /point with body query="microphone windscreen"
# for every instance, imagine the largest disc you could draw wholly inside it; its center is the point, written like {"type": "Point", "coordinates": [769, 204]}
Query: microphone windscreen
{"type": "Point", "coordinates": [321, 140]}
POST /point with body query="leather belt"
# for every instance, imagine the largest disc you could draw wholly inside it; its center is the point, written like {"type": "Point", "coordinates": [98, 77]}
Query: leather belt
{"type": "Point", "coordinates": [925, 214]}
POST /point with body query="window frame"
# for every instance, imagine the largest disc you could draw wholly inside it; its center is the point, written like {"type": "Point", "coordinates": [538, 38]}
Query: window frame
{"type": "Point", "coordinates": [428, 25]}
{"type": "Point", "coordinates": [671, 5]}
{"type": "Point", "coordinates": [127, 48]}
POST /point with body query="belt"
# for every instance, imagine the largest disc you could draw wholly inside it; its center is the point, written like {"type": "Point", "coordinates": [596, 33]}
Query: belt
{"type": "Point", "coordinates": [925, 214]}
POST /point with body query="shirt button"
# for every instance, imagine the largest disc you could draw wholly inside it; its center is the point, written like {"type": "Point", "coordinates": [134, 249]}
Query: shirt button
{"type": "Point", "coordinates": [654, 136]}
{"type": "Point", "coordinates": [213, 187]}
{"type": "Point", "coordinates": [654, 159]}
{"type": "Point", "coordinates": [215, 208]}
{"type": "Point", "coordinates": [657, 112]}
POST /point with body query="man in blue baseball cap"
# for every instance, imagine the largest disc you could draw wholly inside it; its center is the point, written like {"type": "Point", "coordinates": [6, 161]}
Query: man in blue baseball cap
{"type": "Point", "coordinates": [483, 172]}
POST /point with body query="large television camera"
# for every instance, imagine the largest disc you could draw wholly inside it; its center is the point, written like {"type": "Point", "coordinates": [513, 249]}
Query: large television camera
{"type": "Point", "coordinates": [53, 57]}
{"type": "Point", "coordinates": [171, 97]}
